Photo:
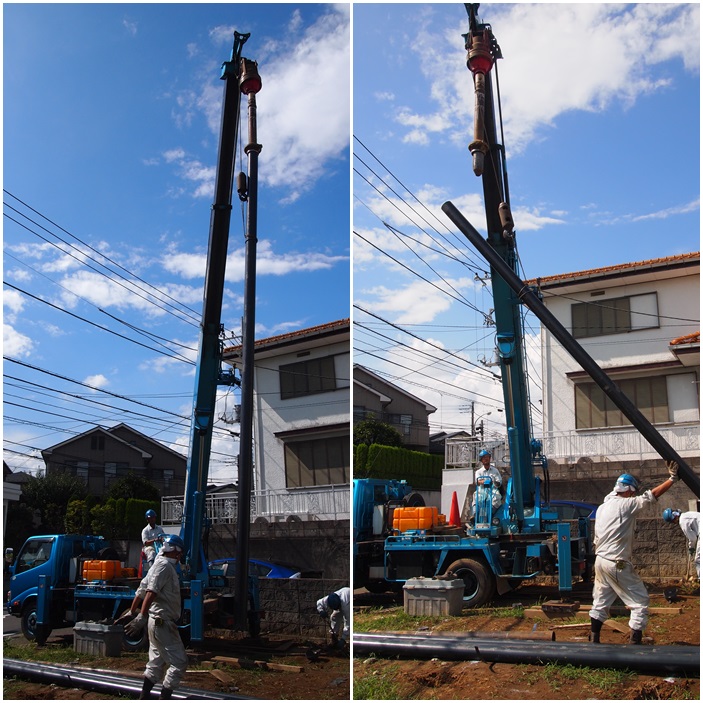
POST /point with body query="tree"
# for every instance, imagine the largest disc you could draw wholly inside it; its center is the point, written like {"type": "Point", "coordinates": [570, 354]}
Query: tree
{"type": "Point", "coordinates": [133, 486]}
{"type": "Point", "coordinates": [376, 432]}
{"type": "Point", "coordinates": [50, 495]}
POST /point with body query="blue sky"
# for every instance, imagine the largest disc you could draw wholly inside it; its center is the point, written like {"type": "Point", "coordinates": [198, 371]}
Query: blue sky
{"type": "Point", "coordinates": [111, 118]}
{"type": "Point", "coordinates": [601, 117]}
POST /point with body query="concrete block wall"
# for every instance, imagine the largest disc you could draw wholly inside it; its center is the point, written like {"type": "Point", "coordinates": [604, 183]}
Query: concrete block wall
{"type": "Point", "coordinates": [319, 548]}
{"type": "Point", "coordinates": [289, 606]}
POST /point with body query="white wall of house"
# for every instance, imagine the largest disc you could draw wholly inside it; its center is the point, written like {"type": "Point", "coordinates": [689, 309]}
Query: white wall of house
{"type": "Point", "coordinates": [273, 415]}
{"type": "Point", "coordinates": [667, 305]}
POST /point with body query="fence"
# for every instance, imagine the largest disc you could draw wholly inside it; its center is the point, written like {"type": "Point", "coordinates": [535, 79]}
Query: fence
{"type": "Point", "coordinates": [569, 447]}
{"type": "Point", "coordinates": [324, 503]}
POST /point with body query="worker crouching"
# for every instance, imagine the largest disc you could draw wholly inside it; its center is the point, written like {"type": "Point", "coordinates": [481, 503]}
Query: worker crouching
{"type": "Point", "coordinates": [336, 606]}
{"type": "Point", "coordinates": [613, 537]}
{"type": "Point", "coordinates": [161, 607]}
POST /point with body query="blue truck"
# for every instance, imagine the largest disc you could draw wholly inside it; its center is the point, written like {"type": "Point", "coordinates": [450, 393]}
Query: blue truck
{"type": "Point", "coordinates": [47, 589]}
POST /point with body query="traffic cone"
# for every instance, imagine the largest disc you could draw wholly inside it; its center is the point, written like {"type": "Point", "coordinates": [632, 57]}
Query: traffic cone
{"type": "Point", "coordinates": [454, 519]}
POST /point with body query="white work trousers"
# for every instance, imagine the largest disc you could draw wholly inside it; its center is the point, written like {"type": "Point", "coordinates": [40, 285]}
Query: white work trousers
{"type": "Point", "coordinates": [165, 650]}
{"type": "Point", "coordinates": [611, 583]}
{"type": "Point", "coordinates": [339, 625]}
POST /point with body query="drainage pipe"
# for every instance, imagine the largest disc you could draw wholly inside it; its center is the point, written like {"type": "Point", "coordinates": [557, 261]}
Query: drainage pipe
{"type": "Point", "coordinates": [487, 635]}
{"type": "Point", "coordinates": [682, 660]}
{"type": "Point", "coordinates": [96, 680]}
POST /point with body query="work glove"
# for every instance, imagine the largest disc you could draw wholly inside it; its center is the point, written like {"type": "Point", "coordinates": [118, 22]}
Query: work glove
{"type": "Point", "coordinates": [673, 469]}
{"type": "Point", "coordinates": [135, 627]}
{"type": "Point", "coordinates": [125, 618]}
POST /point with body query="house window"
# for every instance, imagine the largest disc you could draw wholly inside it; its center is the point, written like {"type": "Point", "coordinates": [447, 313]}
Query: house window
{"type": "Point", "coordinates": [82, 470]}
{"type": "Point", "coordinates": [110, 473]}
{"type": "Point", "coordinates": [317, 462]}
{"type": "Point", "coordinates": [307, 377]}
{"type": "Point", "coordinates": [595, 409]}
{"type": "Point", "coordinates": [404, 422]}
{"type": "Point", "coordinates": [97, 442]}
{"type": "Point", "coordinates": [614, 316]}
{"type": "Point", "coordinates": [168, 478]}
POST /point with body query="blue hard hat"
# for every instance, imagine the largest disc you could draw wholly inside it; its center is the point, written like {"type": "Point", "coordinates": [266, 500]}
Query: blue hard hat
{"type": "Point", "coordinates": [334, 601]}
{"type": "Point", "coordinates": [483, 452]}
{"type": "Point", "coordinates": [628, 480]}
{"type": "Point", "coordinates": [150, 513]}
{"type": "Point", "coordinates": [172, 543]}
{"type": "Point", "coordinates": [670, 515]}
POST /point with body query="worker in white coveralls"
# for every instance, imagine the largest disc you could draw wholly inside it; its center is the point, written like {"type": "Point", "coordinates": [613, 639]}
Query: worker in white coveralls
{"type": "Point", "coordinates": [336, 606]}
{"type": "Point", "coordinates": [614, 533]}
{"type": "Point", "coordinates": [152, 534]}
{"type": "Point", "coordinates": [487, 477]}
{"type": "Point", "coordinates": [689, 523]}
{"type": "Point", "coordinates": [160, 596]}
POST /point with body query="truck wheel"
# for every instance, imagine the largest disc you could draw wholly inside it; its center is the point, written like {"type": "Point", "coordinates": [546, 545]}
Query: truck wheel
{"type": "Point", "coordinates": [30, 628]}
{"type": "Point", "coordinates": [479, 583]}
{"type": "Point", "coordinates": [414, 500]}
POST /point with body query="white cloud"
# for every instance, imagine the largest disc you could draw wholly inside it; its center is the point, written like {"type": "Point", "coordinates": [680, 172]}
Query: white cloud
{"type": "Point", "coordinates": [595, 55]}
{"type": "Point", "coordinates": [302, 111]}
{"type": "Point", "coordinates": [268, 262]}
{"type": "Point", "coordinates": [14, 343]}
{"type": "Point", "coordinates": [97, 381]}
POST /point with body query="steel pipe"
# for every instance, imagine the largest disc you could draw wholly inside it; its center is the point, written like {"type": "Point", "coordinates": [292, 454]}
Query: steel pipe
{"type": "Point", "coordinates": [477, 634]}
{"type": "Point", "coordinates": [98, 680]}
{"type": "Point", "coordinates": [561, 334]}
{"type": "Point", "coordinates": [681, 660]}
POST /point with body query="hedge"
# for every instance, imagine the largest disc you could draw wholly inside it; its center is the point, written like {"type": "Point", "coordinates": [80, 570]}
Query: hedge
{"type": "Point", "coordinates": [421, 471]}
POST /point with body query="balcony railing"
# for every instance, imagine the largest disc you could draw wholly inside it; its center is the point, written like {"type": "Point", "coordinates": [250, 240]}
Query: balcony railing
{"type": "Point", "coordinates": [569, 447]}
{"type": "Point", "coordinates": [323, 503]}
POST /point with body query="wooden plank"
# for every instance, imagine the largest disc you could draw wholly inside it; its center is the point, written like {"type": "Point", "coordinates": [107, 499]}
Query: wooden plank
{"type": "Point", "coordinates": [222, 676]}
{"type": "Point", "coordinates": [250, 663]}
{"type": "Point", "coordinates": [617, 626]}
{"type": "Point", "coordinates": [614, 610]}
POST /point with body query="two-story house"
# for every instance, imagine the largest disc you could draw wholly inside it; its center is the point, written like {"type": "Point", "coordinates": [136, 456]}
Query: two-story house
{"type": "Point", "coordinates": [640, 321]}
{"type": "Point", "coordinates": [102, 456]}
{"type": "Point", "coordinates": [301, 422]}
{"type": "Point", "coordinates": [376, 398]}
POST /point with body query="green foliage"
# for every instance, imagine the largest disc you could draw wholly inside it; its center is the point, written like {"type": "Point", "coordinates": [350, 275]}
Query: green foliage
{"type": "Point", "coordinates": [104, 522]}
{"type": "Point", "coordinates": [134, 515]}
{"type": "Point", "coordinates": [361, 453]}
{"type": "Point", "coordinates": [133, 486]}
{"type": "Point", "coordinates": [377, 685]}
{"type": "Point", "coordinates": [376, 432]}
{"type": "Point", "coordinates": [421, 471]}
{"type": "Point", "coordinates": [78, 520]}
{"type": "Point", "coordinates": [20, 525]}
{"type": "Point", "coordinates": [50, 495]}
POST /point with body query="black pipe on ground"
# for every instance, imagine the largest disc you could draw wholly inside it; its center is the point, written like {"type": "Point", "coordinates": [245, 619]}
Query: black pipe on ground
{"type": "Point", "coordinates": [679, 660]}
{"type": "Point", "coordinates": [99, 681]}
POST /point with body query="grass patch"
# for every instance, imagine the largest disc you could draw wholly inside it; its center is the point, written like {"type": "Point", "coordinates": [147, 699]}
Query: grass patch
{"type": "Point", "coordinates": [376, 685]}
{"type": "Point", "coordinates": [389, 619]}
{"type": "Point", "coordinates": [558, 675]}
{"type": "Point", "coordinates": [55, 653]}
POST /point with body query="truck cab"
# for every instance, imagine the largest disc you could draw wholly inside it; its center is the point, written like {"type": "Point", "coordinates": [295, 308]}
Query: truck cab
{"type": "Point", "coordinates": [59, 559]}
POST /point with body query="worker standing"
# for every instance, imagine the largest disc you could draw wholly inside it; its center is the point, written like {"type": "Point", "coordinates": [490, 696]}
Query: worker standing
{"type": "Point", "coordinates": [689, 523]}
{"type": "Point", "coordinates": [337, 606]}
{"type": "Point", "coordinates": [151, 535]}
{"type": "Point", "coordinates": [614, 533]}
{"type": "Point", "coordinates": [160, 592]}
{"type": "Point", "coordinates": [487, 478]}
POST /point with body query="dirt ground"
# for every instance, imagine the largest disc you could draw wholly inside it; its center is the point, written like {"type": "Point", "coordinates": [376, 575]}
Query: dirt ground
{"type": "Point", "coordinates": [424, 680]}
{"type": "Point", "coordinates": [327, 678]}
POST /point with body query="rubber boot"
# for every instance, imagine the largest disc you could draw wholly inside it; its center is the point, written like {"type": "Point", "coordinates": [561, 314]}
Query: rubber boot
{"type": "Point", "coordinates": [635, 636]}
{"type": "Point", "coordinates": [595, 630]}
{"type": "Point", "coordinates": [166, 692]}
{"type": "Point", "coordinates": [146, 689]}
